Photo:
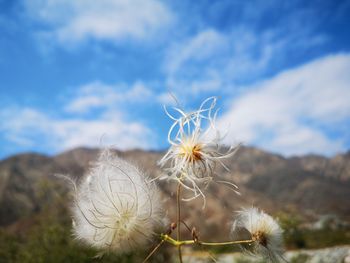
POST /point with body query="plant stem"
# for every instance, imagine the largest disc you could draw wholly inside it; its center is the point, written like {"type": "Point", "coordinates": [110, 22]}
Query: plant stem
{"type": "Point", "coordinates": [153, 251]}
{"type": "Point", "coordinates": [179, 243]}
{"type": "Point", "coordinates": [178, 197]}
{"type": "Point", "coordinates": [225, 243]}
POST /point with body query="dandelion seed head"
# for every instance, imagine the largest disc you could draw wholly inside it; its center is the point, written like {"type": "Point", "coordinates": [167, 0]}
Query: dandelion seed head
{"type": "Point", "coordinates": [265, 232]}
{"type": "Point", "coordinates": [116, 208]}
{"type": "Point", "coordinates": [195, 148]}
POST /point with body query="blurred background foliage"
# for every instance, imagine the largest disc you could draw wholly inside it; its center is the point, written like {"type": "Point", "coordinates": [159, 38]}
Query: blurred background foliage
{"type": "Point", "coordinates": [35, 222]}
{"type": "Point", "coordinates": [47, 237]}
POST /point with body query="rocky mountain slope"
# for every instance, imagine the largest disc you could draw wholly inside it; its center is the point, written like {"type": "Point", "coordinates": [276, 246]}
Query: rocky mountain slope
{"type": "Point", "coordinates": [309, 185]}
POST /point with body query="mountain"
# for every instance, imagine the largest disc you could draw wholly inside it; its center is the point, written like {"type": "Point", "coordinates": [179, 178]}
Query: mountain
{"type": "Point", "coordinates": [309, 186]}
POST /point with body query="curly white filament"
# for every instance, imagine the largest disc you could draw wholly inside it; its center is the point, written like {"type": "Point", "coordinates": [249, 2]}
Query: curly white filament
{"type": "Point", "coordinates": [261, 228]}
{"type": "Point", "coordinates": [115, 207]}
{"type": "Point", "coordinates": [195, 148]}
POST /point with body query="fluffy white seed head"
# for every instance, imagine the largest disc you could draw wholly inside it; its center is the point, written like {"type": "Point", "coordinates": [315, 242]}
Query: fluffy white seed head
{"type": "Point", "coordinates": [115, 207]}
{"type": "Point", "coordinates": [254, 224]}
{"type": "Point", "coordinates": [195, 148]}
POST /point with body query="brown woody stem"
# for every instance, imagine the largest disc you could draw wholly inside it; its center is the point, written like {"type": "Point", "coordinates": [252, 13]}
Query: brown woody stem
{"type": "Point", "coordinates": [178, 197]}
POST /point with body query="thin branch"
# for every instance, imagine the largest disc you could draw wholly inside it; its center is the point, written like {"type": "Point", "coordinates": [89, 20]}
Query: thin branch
{"type": "Point", "coordinates": [178, 197]}
{"type": "Point", "coordinates": [179, 243]}
{"type": "Point", "coordinates": [225, 243]}
{"type": "Point", "coordinates": [153, 251]}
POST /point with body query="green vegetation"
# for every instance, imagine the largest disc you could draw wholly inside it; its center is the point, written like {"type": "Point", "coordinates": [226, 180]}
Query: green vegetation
{"type": "Point", "coordinates": [301, 258]}
{"type": "Point", "coordinates": [47, 237]}
{"type": "Point", "coordinates": [244, 259]}
{"type": "Point", "coordinates": [293, 234]}
{"type": "Point", "coordinates": [296, 236]}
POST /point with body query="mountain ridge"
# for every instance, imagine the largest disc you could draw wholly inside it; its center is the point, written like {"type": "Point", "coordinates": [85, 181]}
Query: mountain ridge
{"type": "Point", "coordinates": [311, 186]}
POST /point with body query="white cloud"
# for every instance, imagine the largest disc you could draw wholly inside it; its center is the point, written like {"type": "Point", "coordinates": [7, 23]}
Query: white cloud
{"type": "Point", "coordinates": [112, 131]}
{"type": "Point", "coordinates": [190, 66]}
{"type": "Point", "coordinates": [32, 127]}
{"type": "Point", "coordinates": [290, 112]}
{"type": "Point", "coordinates": [28, 127]}
{"type": "Point", "coordinates": [199, 47]}
{"type": "Point", "coordinates": [78, 20]}
{"type": "Point", "coordinates": [212, 59]}
{"type": "Point", "coordinates": [101, 95]}
{"type": "Point", "coordinates": [166, 99]}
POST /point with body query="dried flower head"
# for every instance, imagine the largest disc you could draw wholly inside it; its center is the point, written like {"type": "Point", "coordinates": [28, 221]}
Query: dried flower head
{"type": "Point", "coordinates": [115, 208]}
{"type": "Point", "coordinates": [263, 230]}
{"type": "Point", "coordinates": [195, 148]}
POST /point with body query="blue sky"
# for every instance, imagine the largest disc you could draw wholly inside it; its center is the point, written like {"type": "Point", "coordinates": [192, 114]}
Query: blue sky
{"type": "Point", "coordinates": [95, 73]}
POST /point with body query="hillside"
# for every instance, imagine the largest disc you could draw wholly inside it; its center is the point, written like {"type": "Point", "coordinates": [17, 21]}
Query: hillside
{"type": "Point", "coordinates": [309, 186]}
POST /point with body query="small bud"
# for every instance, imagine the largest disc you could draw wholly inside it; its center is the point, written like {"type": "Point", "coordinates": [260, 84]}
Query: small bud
{"type": "Point", "coordinates": [173, 226]}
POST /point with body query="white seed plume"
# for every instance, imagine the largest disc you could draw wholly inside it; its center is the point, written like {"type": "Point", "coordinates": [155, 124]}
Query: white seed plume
{"type": "Point", "coordinates": [254, 224]}
{"type": "Point", "coordinates": [115, 207]}
{"type": "Point", "coordinates": [195, 148]}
